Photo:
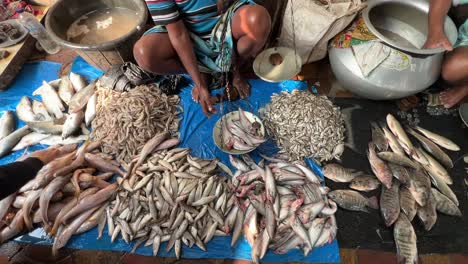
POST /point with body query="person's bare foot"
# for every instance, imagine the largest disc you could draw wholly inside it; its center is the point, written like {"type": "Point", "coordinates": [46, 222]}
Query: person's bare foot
{"type": "Point", "coordinates": [242, 86]}
{"type": "Point", "coordinates": [454, 96]}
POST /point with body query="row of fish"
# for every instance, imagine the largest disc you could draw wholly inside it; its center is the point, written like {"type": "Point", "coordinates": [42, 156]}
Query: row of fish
{"type": "Point", "coordinates": [66, 197]}
{"type": "Point", "coordinates": [405, 170]}
{"type": "Point", "coordinates": [46, 122]}
{"type": "Point", "coordinates": [240, 133]}
{"type": "Point", "coordinates": [170, 196]}
{"type": "Point", "coordinates": [283, 206]}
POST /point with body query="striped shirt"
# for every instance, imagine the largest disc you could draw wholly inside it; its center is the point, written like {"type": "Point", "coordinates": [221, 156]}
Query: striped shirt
{"type": "Point", "coordinates": [459, 2]}
{"type": "Point", "coordinates": [199, 16]}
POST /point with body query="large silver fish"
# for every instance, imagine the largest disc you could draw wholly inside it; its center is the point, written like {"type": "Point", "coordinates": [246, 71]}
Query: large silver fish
{"type": "Point", "coordinates": [72, 124]}
{"type": "Point", "coordinates": [40, 111]}
{"type": "Point", "coordinates": [338, 173]}
{"type": "Point", "coordinates": [90, 113]}
{"type": "Point", "coordinates": [7, 124]}
{"type": "Point", "coordinates": [53, 127]}
{"type": "Point", "coordinates": [10, 141]}
{"type": "Point", "coordinates": [432, 148]}
{"type": "Point", "coordinates": [66, 90]}
{"type": "Point", "coordinates": [30, 139]}
{"type": "Point", "coordinates": [352, 200]}
{"type": "Point", "coordinates": [79, 82]}
{"type": "Point", "coordinates": [81, 98]}
{"type": "Point", "coordinates": [51, 99]}
{"type": "Point", "coordinates": [400, 133]}
{"type": "Point", "coordinates": [438, 139]}
{"type": "Point", "coordinates": [24, 110]}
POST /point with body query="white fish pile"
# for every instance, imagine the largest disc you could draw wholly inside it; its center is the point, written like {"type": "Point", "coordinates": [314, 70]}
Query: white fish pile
{"type": "Point", "coordinates": [68, 196]}
{"type": "Point", "coordinates": [240, 133]}
{"type": "Point", "coordinates": [282, 207]}
{"type": "Point", "coordinates": [125, 121]}
{"type": "Point", "coordinates": [171, 196]}
{"type": "Point", "coordinates": [61, 117]}
{"type": "Point", "coordinates": [305, 125]}
{"type": "Point", "coordinates": [405, 168]}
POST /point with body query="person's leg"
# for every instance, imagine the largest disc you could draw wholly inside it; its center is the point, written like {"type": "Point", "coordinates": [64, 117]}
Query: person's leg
{"type": "Point", "coordinates": [455, 72]}
{"type": "Point", "coordinates": [251, 25]}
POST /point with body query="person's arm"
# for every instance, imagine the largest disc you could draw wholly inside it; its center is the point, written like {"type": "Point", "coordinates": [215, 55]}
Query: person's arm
{"type": "Point", "coordinates": [14, 175]}
{"type": "Point", "coordinates": [436, 37]}
{"type": "Point", "coordinates": [180, 40]}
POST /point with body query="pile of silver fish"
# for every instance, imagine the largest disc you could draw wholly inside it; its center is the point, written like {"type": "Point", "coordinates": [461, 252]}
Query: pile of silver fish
{"type": "Point", "coordinates": [240, 133]}
{"type": "Point", "coordinates": [281, 206]}
{"type": "Point", "coordinates": [405, 169]}
{"type": "Point", "coordinates": [68, 106]}
{"type": "Point", "coordinates": [168, 195]}
{"type": "Point", "coordinates": [125, 121]}
{"type": "Point", "coordinates": [68, 196]}
{"type": "Point", "coordinates": [305, 125]}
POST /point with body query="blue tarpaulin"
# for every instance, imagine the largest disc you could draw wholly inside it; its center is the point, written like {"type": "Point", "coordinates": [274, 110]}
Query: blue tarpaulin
{"type": "Point", "coordinates": [195, 133]}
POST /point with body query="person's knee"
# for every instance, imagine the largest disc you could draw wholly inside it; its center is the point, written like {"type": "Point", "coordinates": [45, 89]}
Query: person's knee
{"type": "Point", "coordinates": [454, 67]}
{"type": "Point", "coordinates": [140, 53]}
{"type": "Point", "coordinates": [255, 23]}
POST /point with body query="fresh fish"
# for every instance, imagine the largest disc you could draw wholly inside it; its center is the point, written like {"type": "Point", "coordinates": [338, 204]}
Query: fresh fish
{"type": "Point", "coordinates": [57, 140]}
{"type": "Point", "coordinates": [378, 137]}
{"type": "Point", "coordinates": [102, 165]}
{"type": "Point", "coordinates": [300, 231]}
{"type": "Point", "coordinates": [66, 90]}
{"type": "Point", "coordinates": [444, 188]}
{"type": "Point", "coordinates": [438, 139]}
{"type": "Point", "coordinates": [7, 124]}
{"type": "Point", "coordinates": [10, 141]}
{"type": "Point", "coordinates": [390, 203]}
{"type": "Point", "coordinates": [398, 159]}
{"type": "Point", "coordinates": [78, 82]}
{"type": "Point", "coordinates": [399, 172]}
{"type": "Point", "coordinates": [54, 186]}
{"type": "Point", "coordinates": [405, 239]}
{"type": "Point", "coordinates": [27, 207]}
{"type": "Point", "coordinates": [30, 139]}
{"type": "Point", "coordinates": [393, 142]}
{"type": "Point", "coordinates": [338, 173]}
{"type": "Point", "coordinates": [40, 111]}
{"type": "Point", "coordinates": [148, 148]}
{"type": "Point", "coordinates": [245, 122]}
{"type": "Point", "coordinates": [427, 213]}
{"type": "Point", "coordinates": [270, 185]}
{"type": "Point", "coordinates": [16, 226]}
{"type": "Point", "coordinates": [364, 183]}
{"type": "Point", "coordinates": [52, 213]}
{"type": "Point", "coordinates": [250, 229]}
{"type": "Point", "coordinates": [435, 168]}
{"type": "Point", "coordinates": [352, 200]}
{"type": "Point", "coordinates": [400, 133]}
{"type": "Point", "coordinates": [419, 185]}
{"type": "Point", "coordinates": [444, 205]}
{"type": "Point", "coordinates": [432, 148]}
{"type": "Point", "coordinates": [316, 229]}
{"type": "Point", "coordinates": [408, 203]}
{"type": "Point", "coordinates": [81, 98]}
{"type": "Point", "coordinates": [90, 113]}
{"type": "Point", "coordinates": [72, 124]}
{"type": "Point", "coordinates": [92, 221]}
{"type": "Point", "coordinates": [53, 127]}
{"type": "Point", "coordinates": [5, 204]}
{"type": "Point", "coordinates": [24, 110]}
{"type": "Point", "coordinates": [238, 164]}
{"type": "Point", "coordinates": [51, 99]}
{"type": "Point", "coordinates": [379, 167]}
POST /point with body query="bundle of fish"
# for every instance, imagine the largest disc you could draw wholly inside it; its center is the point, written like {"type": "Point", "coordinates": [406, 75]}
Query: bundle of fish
{"type": "Point", "coordinates": [405, 169]}
{"type": "Point", "coordinates": [171, 196]}
{"type": "Point", "coordinates": [125, 121]}
{"type": "Point", "coordinates": [48, 122]}
{"type": "Point", "coordinates": [305, 125]}
{"type": "Point", "coordinates": [240, 133]}
{"type": "Point", "coordinates": [282, 206]}
{"type": "Point", "coordinates": [68, 196]}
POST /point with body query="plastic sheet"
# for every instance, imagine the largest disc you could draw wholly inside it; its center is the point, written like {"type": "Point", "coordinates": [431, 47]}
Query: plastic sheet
{"type": "Point", "coordinates": [196, 133]}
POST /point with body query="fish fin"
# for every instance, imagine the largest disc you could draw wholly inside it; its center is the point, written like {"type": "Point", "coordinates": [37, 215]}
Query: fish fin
{"type": "Point", "coordinates": [373, 202]}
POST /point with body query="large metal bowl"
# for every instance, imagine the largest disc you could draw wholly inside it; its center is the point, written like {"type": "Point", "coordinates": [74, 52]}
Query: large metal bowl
{"type": "Point", "coordinates": [402, 25]}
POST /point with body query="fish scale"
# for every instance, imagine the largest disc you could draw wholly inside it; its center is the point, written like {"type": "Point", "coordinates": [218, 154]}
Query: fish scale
{"type": "Point", "coordinates": [390, 203]}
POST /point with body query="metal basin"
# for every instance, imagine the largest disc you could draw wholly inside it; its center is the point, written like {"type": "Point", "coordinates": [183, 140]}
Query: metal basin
{"type": "Point", "coordinates": [402, 25]}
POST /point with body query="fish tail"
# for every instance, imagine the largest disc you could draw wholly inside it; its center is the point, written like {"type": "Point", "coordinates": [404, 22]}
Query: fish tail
{"type": "Point", "coordinates": [373, 202]}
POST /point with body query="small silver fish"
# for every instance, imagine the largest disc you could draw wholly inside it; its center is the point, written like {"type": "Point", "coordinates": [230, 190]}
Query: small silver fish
{"type": "Point", "coordinates": [7, 124]}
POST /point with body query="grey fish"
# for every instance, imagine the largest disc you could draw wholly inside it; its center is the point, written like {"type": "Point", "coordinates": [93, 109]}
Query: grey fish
{"type": "Point", "coordinates": [57, 140]}
{"type": "Point", "coordinates": [390, 203]}
{"type": "Point", "coordinates": [81, 98]}
{"type": "Point", "coordinates": [72, 124]}
{"type": "Point", "coordinates": [40, 111]}
{"type": "Point", "coordinates": [378, 137]}
{"type": "Point", "coordinates": [78, 82]}
{"type": "Point", "coordinates": [7, 124]}
{"type": "Point", "coordinates": [398, 159]}
{"type": "Point", "coordinates": [66, 90]}
{"type": "Point", "coordinates": [364, 183]}
{"type": "Point", "coordinates": [419, 185]}
{"type": "Point", "coordinates": [427, 213]}
{"type": "Point", "coordinates": [90, 113]}
{"type": "Point", "coordinates": [352, 200]}
{"type": "Point", "coordinates": [53, 127]}
{"type": "Point", "coordinates": [51, 99]}
{"type": "Point", "coordinates": [436, 169]}
{"type": "Point", "coordinates": [432, 148]}
{"type": "Point", "coordinates": [379, 167]}
{"type": "Point", "coordinates": [438, 139]}
{"type": "Point", "coordinates": [30, 139]}
{"type": "Point", "coordinates": [338, 173]}
{"type": "Point", "coordinates": [54, 186]}
{"type": "Point", "coordinates": [405, 239]}
{"type": "Point", "coordinates": [399, 172]}
{"type": "Point", "coordinates": [444, 204]}
{"type": "Point", "coordinates": [10, 141]}
{"type": "Point", "coordinates": [408, 203]}
{"type": "Point", "coordinates": [24, 110]}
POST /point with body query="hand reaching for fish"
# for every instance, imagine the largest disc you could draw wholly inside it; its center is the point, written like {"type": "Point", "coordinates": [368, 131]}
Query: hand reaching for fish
{"type": "Point", "coordinates": [49, 154]}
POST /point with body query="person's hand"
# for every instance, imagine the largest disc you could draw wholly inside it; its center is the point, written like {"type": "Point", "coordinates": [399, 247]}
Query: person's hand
{"type": "Point", "coordinates": [203, 97]}
{"type": "Point", "coordinates": [435, 41]}
{"type": "Point", "coordinates": [49, 154]}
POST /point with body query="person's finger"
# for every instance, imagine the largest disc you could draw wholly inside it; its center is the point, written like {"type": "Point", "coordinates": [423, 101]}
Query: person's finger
{"type": "Point", "coordinates": [447, 45]}
{"type": "Point", "coordinates": [205, 109]}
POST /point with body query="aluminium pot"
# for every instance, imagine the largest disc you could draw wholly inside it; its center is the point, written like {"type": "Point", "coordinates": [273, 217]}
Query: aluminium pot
{"type": "Point", "coordinates": [403, 26]}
